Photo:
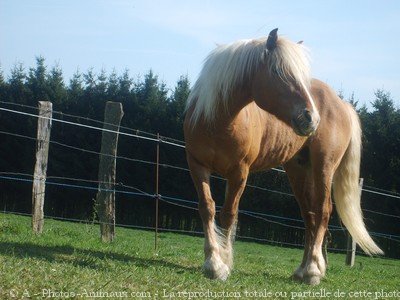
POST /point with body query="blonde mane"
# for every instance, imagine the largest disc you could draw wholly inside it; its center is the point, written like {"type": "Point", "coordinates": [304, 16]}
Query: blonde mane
{"type": "Point", "coordinates": [229, 66]}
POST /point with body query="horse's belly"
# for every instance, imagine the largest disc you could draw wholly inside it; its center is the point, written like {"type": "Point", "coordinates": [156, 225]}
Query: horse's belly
{"type": "Point", "coordinates": [277, 148]}
{"type": "Point", "coordinates": [272, 159]}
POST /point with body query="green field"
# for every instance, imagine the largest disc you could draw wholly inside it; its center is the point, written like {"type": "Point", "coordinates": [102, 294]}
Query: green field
{"type": "Point", "coordinates": [69, 261]}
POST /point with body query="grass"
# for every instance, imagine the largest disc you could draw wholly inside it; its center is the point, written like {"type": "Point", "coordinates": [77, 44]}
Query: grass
{"type": "Point", "coordinates": [69, 260]}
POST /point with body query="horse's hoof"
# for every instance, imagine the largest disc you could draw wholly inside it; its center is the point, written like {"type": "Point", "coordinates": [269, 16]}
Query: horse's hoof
{"type": "Point", "coordinates": [312, 280]}
{"type": "Point", "coordinates": [297, 277]}
{"type": "Point", "coordinates": [216, 270]}
{"type": "Point", "coordinates": [298, 274]}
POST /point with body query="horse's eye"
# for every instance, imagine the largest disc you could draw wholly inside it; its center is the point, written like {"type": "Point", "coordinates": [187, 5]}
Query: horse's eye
{"type": "Point", "coordinates": [295, 90]}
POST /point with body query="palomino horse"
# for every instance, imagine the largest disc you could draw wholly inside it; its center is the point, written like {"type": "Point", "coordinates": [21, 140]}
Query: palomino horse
{"type": "Point", "coordinates": [254, 107]}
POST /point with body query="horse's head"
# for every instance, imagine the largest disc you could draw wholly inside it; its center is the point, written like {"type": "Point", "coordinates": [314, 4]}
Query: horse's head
{"type": "Point", "coordinates": [282, 84]}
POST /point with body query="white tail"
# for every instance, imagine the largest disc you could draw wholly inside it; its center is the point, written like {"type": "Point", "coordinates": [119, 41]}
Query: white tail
{"type": "Point", "coordinates": [346, 190]}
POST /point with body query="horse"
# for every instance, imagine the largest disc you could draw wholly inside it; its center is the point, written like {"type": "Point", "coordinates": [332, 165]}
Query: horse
{"type": "Point", "coordinates": [253, 107]}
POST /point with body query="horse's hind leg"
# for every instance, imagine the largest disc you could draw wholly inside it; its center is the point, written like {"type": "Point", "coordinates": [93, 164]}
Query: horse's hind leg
{"type": "Point", "coordinates": [213, 267]}
{"type": "Point", "coordinates": [228, 215]}
{"type": "Point", "coordinates": [320, 211]}
{"type": "Point", "coordinates": [312, 189]}
{"type": "Point", "coordinates": [301, 183]}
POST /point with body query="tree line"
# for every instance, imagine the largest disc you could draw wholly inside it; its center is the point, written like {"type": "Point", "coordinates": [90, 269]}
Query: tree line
{"type": "Point", "coordinates": [149, 105]}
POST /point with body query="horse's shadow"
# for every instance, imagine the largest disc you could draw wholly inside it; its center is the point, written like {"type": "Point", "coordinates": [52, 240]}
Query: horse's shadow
{"type": "Point", "coordinates": [86, 258]}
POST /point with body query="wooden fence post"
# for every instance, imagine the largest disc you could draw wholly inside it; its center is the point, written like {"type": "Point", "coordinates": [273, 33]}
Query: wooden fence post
{"type": "Point", "coordinates": [39, 175]}
{"type": "Point", "coordinates": [351, 244]}
{"type": "Point", "coordinates": [105, 201]}
{"type": "Point", "coordinates": [157, 192]}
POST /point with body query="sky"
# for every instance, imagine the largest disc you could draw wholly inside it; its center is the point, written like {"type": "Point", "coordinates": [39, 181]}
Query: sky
{"type": "Point", "coordinates": [354, 45]}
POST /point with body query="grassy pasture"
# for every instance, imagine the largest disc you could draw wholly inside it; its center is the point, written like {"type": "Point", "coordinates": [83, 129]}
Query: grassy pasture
{"type": "Point", "coordinates": [69, 261]}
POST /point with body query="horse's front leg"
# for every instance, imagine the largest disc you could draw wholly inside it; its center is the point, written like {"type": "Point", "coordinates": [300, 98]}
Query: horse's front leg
{"type": "Point", "coordinates": [228, 215]}
{"type": "Point", "coordinates": [214, 267]}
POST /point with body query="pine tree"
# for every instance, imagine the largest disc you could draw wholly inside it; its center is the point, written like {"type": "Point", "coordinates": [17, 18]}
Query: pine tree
{"type": "Point", "coordinates": [88, 104]}
{"type": "Point", "coordinates": [89, 78]}
{"type": "Point", "coordinates": [37, 82]}
{"type": "Point", "coordinates": [17, 91]}
{"type": "Point", "coordinates": [2, 81]}
{"type": "Point", "coordinates": [152, 100]}
{"type": "Point", "coordinates": [382, 142]}
{"type": "Point", "coordinates": [75, 89]}
{"type": "Point", "coordinates": [101, 86]}
{"type": "Point", "coordinates": [56, 88]}
{"type": "Point", "coordinates": [125, 83]}
{"type": "Point", "coordinates": [3, 86]}
{"type": "Point", "coordinates": [127, 96]}
{"type": "Point", "coordinates": [177, 106]}
{"type": "Point", "coordinates": [353, 101]}
{"type": "Point", "coordinates": [112, 86]}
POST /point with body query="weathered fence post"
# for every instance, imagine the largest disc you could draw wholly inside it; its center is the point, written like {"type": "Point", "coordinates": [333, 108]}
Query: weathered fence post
{"type": "Point", "coordinates": [351, 244]}
{"type": "Point", "coordinates": [107, 171]}
{"type": "Point", "coordinates": [39, 175]}
{"type": "Point", "coordinates": [157, 194]}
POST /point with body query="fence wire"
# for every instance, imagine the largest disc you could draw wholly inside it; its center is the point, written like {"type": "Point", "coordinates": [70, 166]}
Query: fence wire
{"type": "Point", "coordinates": [137, 192]}
{"type": "Point", "coordinates": [167, 166]}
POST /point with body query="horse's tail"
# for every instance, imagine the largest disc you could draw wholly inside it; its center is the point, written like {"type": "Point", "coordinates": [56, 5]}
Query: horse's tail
{"type": "Point", "coordinates": [347, 193]}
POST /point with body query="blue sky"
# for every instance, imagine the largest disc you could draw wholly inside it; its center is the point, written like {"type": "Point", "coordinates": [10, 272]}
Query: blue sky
{"type": "Point", "coordinates": [355, 45]}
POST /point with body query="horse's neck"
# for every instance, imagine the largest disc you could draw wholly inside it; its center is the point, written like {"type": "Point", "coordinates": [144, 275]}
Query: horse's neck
{"type": "Point", "coordinates": [236, 103]}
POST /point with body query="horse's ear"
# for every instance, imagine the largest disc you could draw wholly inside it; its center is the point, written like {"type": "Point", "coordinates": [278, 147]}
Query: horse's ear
{"type": "Point", "coordinates": [272, 38]}
{"type": "Point", "coordinates": [300, 42]}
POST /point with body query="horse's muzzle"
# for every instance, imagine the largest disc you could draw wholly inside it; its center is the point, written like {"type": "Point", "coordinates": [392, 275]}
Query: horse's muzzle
{"type": "Point", "coordinates": [305, 123]}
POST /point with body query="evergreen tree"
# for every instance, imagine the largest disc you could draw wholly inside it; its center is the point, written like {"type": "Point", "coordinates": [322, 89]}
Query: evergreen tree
{"type": "Point", "coordinates": [89, 79]}
{"type": "Point", "coordinates": [37, 82]}
{"type": "Point", "coordinates": [17, 91]}
{"type": "Point", "coordinates": [150, 92]}
{"type": "Point", "coordinates": [341, 94]}
{"type": "Point", "coordinates": [125, 84]}
{"type": "Point", "coordinates": [3, 86]}
{"type": "Point", "coordinates": [153, 101]}
{"type": "Point", "coordinates": [127, 96]}
{"type": "Point", "coordinates": [101, 85]}
{"type": "Point", "coordinates": [353, 101]}
{"type": "Point", "coordinates": [88, 103]}
{"type": "Point", "coordinates": [56, 88]}
{"type": "Point", "coordinates": [75, 90]}
{"type": "Point", "coordinates": [177, 106]}
{"type": "Point", "coordinates": [112, 86]}
{"type": "Point", "coordinates": [382, 142]}
{"type": "Point", "coordinates": [2, 81]}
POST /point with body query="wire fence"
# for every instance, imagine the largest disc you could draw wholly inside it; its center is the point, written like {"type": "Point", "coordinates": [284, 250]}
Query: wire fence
{"type": "Point", "coordinates": [121, 188]}
{"type": "Point", "coordinates": [175, 201]}
{"type": "Point", "coordinates": [187, 170]}
{"type": "Point", "coordinates": [161, 139]}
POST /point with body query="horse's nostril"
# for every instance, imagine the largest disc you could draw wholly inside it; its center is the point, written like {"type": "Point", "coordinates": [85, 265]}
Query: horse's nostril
{"type": "Point", "coordinates": [307, 115]}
